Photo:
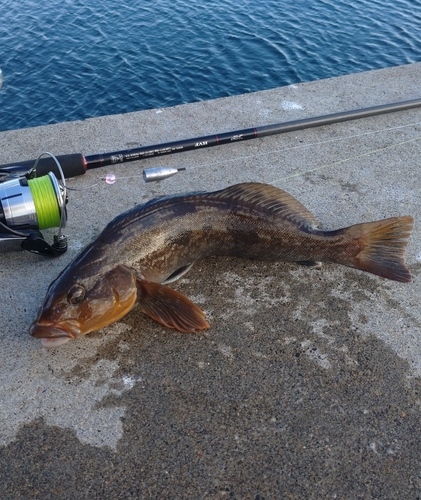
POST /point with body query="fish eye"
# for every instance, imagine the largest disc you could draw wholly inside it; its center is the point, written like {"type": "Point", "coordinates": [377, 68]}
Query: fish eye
{"type": "Point", "coordinates": [76, 294]}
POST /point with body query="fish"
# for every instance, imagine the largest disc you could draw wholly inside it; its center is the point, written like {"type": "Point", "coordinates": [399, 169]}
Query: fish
{"type": "Point", "coordinates": [151, 245]}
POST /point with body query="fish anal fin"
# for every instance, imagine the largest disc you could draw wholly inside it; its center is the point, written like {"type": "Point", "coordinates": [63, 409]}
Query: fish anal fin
{"type": "Point", "coordinates": [273, 200]}
{"type": "Point", "coordinates": [169, 307]}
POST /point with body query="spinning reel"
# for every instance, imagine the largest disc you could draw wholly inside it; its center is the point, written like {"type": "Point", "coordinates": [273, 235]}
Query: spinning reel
{"type": "Point", "coordinates": [29, 204]}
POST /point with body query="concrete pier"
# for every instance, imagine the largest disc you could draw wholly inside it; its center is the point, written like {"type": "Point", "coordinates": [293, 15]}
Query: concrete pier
{"type": "Point", "coordinates": [308, 383]}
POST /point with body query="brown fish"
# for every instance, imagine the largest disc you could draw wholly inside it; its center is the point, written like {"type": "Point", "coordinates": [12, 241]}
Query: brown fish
{"type": "Point", "coordinates": [153, 244]}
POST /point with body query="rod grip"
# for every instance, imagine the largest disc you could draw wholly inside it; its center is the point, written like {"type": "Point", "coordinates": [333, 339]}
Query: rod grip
{"type": "Point", "coordinates": [72, 165]}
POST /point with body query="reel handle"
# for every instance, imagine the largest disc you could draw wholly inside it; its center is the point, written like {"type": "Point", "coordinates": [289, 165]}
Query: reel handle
{"type": "Point", "coordinates": [72, 165]}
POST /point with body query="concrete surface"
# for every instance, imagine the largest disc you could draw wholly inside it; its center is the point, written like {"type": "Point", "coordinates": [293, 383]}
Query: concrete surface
{"type": "Point", "coordinates": [307, 385]}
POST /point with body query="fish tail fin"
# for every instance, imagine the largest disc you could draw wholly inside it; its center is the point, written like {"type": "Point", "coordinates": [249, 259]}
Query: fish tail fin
{"type": "Point", "coordinates": [382, 247]}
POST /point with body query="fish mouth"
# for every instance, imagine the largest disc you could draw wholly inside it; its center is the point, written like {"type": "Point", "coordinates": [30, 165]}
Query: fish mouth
{"type": "Point", "coordinates": [52, 334]}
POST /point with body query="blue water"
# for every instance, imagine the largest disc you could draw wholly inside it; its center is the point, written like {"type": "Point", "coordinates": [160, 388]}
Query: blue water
{"type": "Point", "coordinates": [65, 60]}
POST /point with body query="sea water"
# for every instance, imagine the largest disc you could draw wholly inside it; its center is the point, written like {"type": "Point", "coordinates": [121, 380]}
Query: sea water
{"type": "Point", "coordinates": [68, 60]}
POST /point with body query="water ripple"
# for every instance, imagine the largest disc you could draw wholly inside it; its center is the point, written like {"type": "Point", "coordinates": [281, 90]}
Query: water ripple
{"type": "Point", "coordinates": [66, 60]}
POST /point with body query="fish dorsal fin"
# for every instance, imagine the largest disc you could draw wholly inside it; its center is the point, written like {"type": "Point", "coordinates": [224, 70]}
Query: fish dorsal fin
{"type": "Point", "coordinates": [170, 308]}
{"type": "Point", "coordinates": [272, 199]}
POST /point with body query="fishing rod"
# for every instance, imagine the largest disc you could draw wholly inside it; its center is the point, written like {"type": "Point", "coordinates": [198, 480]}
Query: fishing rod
{"type": "Point", "coordinates": [77, 164]}
{"type": "Point", "coordinates": [31, 198]}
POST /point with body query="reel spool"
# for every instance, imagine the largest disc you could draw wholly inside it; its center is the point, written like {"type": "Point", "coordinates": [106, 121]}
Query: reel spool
{"type": "Point", "coordinates": [29, 205]}
{"type": "Point", "coordinates": [32, 203]}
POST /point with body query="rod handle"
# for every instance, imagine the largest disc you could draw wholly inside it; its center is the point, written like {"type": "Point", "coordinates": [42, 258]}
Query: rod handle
{"type": "Point", "coordinates": [72, 165]}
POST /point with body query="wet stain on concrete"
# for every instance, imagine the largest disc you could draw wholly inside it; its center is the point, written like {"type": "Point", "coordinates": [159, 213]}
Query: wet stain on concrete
{"type": "Point", "coordinates": [284, 397]}
{"type": "Point", "coordinates": [349, 186]}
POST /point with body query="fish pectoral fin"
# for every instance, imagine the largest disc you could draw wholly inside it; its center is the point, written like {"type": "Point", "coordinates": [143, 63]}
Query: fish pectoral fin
{"type": "Point", "coordinates": [170, 308]}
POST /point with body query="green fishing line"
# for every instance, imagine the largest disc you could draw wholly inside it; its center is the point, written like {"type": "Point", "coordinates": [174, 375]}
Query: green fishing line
{"type": "Point", "coordinates": [45, 201]}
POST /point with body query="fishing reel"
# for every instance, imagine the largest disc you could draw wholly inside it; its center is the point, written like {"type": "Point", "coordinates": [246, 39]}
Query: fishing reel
{"type": "Point", "coordinates": [29, 204]}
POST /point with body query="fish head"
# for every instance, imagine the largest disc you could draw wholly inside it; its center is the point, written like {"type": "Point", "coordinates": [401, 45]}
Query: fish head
{"type": "Point", "coordinates": [74, 306]}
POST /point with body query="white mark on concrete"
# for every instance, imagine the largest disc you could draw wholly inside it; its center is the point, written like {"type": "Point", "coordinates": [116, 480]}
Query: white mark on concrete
{"type": "Point", "coordinates": [243, 298]}
{"type": "Point", "coordinates": [40, 384]}
{"type": "Point", "coordinates": [129, 382]}
{"type": "Point", "coordinates": [314, 354]}
{"type": "Point", "coordinates": [319, 357]}
{"type": "Point", "coordinates": [226, 351]}
{"type": "Point", "coordinates": [251, 295]}
{"type": "Point", "coordinates": [158, 111]}
{"type": "Point", "coordinates": [318, 327]}
{"type": "Point", "coordinates": [249, 325]}
{"type": "Point", "coordinates": [348, 360]}
{"type": "Point", "coordinates": [258, 354]}
{"type": "Point", "coordinates": [124, 346]}
{"type": "Point", "coordinates": [198, 299]}
{"type": "Point", "coordinates": [77, 244]}
{"type": "Point", "coordinates": [289, 105]}
{"type": "Point", "coordinates": [289, 340]}
{"type": "Point", "coordinates": [418, 257]}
